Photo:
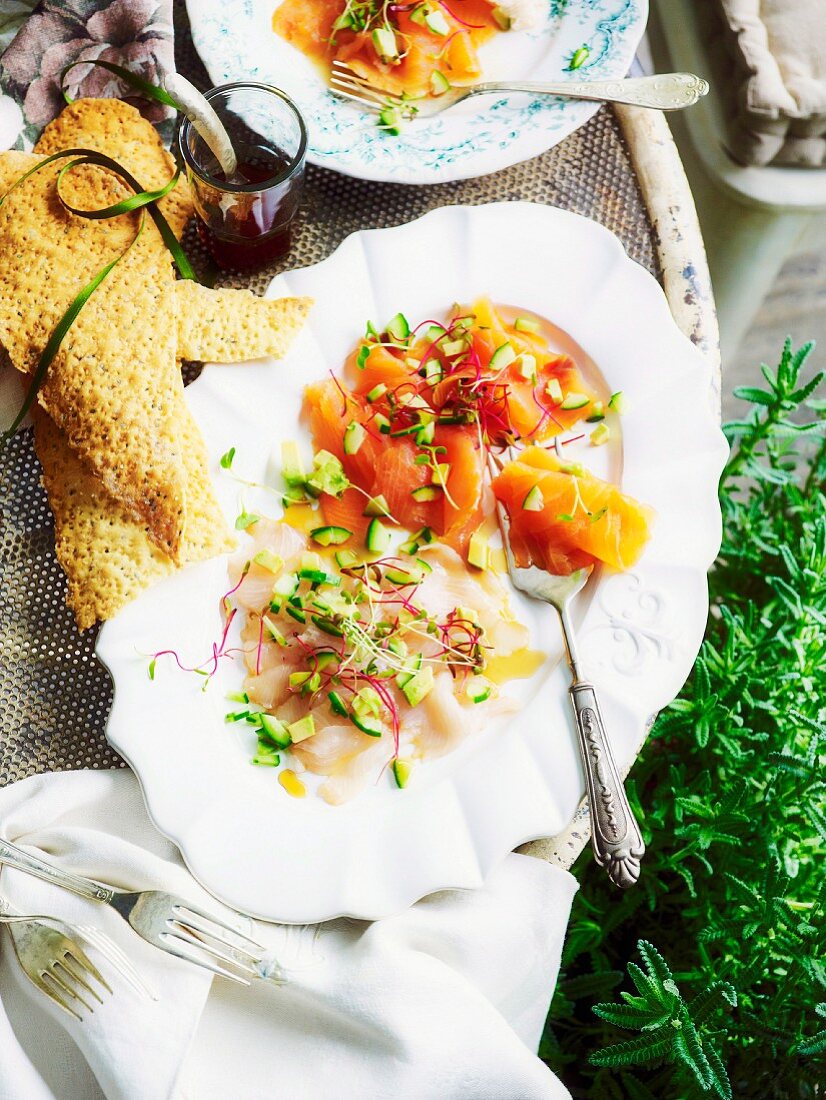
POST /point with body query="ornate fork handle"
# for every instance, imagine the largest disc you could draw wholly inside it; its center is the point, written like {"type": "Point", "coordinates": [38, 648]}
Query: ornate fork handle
{"type": "Point", "coordinates": [13, 856]}
{"type": "Point", "coordinates": [667, 92]}
{"type": "Point", "coordinates": [618, 844]}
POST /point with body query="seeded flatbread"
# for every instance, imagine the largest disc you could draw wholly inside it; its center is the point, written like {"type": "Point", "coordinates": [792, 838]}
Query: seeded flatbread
{"type": "Point", "coordinates": [229, 326]}
{"type": "Point", "coordinates": [107, 557]}
{"type": "Point", "coordinates": [113, 385]}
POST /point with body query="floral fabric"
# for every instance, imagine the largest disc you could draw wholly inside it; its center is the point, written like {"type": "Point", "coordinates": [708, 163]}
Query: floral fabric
{"type": "Point", "coordinates": [134, 33]}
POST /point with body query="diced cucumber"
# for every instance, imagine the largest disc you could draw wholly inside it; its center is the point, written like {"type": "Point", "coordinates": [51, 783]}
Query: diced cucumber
{"type": "Point", "coordinates": [502, 357]}
{"type": "Point", "coordinates": [294, 496]}
{"type": "Point", "coordinates": [346, 559]}
{"type": "Point", "coordinates": [596, 413]}
{"type": "Point", "coordinates": [269, 561]}
{"type": "Point", "coordinates": [384, 43]}
{"type": "Point", "coordinates": [478, 551]}
{"type": "Point", "coordinates": [286, 585]}
{"type": "Point", "coordinates": [367, 723]}
{"type": "Point", "coordinates": [274, 730]}
{"type": "Point", "coordinates": [617, 403]}
{"type": "Point", "coordinates": [325, 658]}
{"type": "Point", "coordinates": [419, 687]}
{"type": "Point", "coordinates": [411, 362]}
{"type": "Point", "coordinates": [554, 391]}
{"type": "Point", "coordinates": [433, 371]}
{"type": "Point", "coordinates": [337, 704]}
{"type": "Point", "coordinates": [398, 328]}
{"type": "Point", "coordinates": [478, 689]}
{"type": "Point", "coordinates": [434, 332]}
{"type": "Point", "coordinates": [367, 701]}
{"type": "Point", "coordinates": [426, 434]}
{"type": "Point", "coordinates": [292, 468]}
{"type": "Point", "coordinates": [526, 324]}
{"type": "Point", "coordinates": [534, 501]}
{"type": "Point", "coordinates": [377, 391]}
{"type": "Point", "coordinates": [377, 506]}
{"type": "Point", "coordinates": [437, 24]}
{"type": "Point", "coordinates": [273, 633]}
{"type": "Point", "coordinates": [378, 537]}
{"type": "Point", "coordinates": [302, 729]}
{"type": "Point", "coordinates": [426, 492]}
{"type": "Point", "coordinates": [575, 401]}
{"type": "Point", "coordinates": [328, 475]}
{"type": "Point", "coordinates": [354, 436]}
{"type": "Point", "coordinates": [330, 536]}
{"type": "Point", "coordinates": [404, 678]}
{"type": "Point", "coordinates": [601, 434]}
{"type": "Point", "coordinates": [418, 14]}
{"type": "Point", "coordinates": [394, 645]}
{"type": "Point", "coordinates": [439, 84]}
{"type": "Point", "coordinates": [382, 423]}
{"type": "Point", "coordinates": [410, 574]}
{"type": "Point", "coordinates": [401, 772]}
{"type": "Point", "coordinates": [296, 613]}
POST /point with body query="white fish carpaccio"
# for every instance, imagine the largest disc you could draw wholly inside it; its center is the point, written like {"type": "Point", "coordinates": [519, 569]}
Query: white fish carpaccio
{"type": "Point", "coordinates": [349, 759]}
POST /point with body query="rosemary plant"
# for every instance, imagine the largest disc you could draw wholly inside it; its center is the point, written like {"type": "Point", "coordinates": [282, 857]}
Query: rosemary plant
{"type": "Point", "coordinates": [731, 794]}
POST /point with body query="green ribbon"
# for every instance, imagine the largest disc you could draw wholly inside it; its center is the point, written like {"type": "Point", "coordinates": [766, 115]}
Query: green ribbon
{"type": "Point", "coordinates": [142, 200]}
{"type": "Point", "coordinates": [151, 91]}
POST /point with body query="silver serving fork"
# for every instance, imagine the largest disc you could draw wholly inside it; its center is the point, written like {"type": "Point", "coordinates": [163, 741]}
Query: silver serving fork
{"type": "Point", "coordinates": [165, 920]}
{"type": "Point", "coordinates": [615, 835]}
{"type": "Point", "coordinates": [664, 92]}
{"type": "Point", "coordinates": [56, 964]}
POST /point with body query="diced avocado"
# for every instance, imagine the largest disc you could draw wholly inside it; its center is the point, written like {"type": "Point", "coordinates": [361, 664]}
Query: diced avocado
{"type": "Point", "coordinates": [302, 729]}
{"type": "Point", "coordinates": [377, 506]}
{"type": "Point", "coordinates": [294, 496]}
{"type": "Point", "coordinates": [534, 501]}
{"type": "Point", "coordinates": [292, 468]}
{"type": "Point", "coordinates": [305, 681]}
{"type": "Point", "coordinates": [378, 537]}
{"type": "Point", "coordinates": [398, 328]}
{"type": "Point", "coordinates": [367, 723]}
{"type": "Point", "coordinates": [401, 772]}
{"type": "Point", "coordinates": [527, 366]}
{"type": "Point", "coordinates": [377, 391]}
{"type": "Point", "coordinates": [439, 84]}
{"type": "Point", "coordinates": [502, 357]}
{"type": "Point", "coordinates": [404, 678]}
{"type": "Point", "coordinates": [617, 403]}
{"type": "Point", "coordinates": [354, 436]}
{"type": "Point", "coordinates": [346, 559]}
{"type": "Point", "coordinates": [554, 391]}
{"type": "Point", "coordinates": [384, 43]}
{"type": "Point", "coordinates": [502, 18]}
{"type": "Point", "coordinates": [337, 704]}
{"type": "Point", "coordinates": [274, 730]}
{"type": "Point", "coordinates": [411, 362]}
{"type": "Point", "coordinates": [478, 689]}
{"type": "Point", "coordinates": [269, 561]}
{"type": "Point", "coordinates": [328, 475]}
{"type": "Point", "coordinates": [601, 434]}
{"type": "Point", "coordinates": [526, 324]}
{"type": "Point", "coordinates": [330, 536]}
{"type": "Point", "coordinates": [478, 551]}
{"type": "Point", "coordinates": [436, 22]}
{"type": "Point", "coordinates": [419, 687]}
{"type": "Point", "coordinates": [311, 560]}
{"type": "Point", "coordinates": [575, 401]}
{"type": "Point", "coordinates": [426, 492]}
{"type": "Point", "coordinates": [367, 701]}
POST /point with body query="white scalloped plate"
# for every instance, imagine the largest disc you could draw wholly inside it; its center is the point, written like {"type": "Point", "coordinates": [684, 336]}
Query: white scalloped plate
{"type": "Point", "coordinates": [294, 860]}
{"type": "Point", "coordinates": [236, 42]}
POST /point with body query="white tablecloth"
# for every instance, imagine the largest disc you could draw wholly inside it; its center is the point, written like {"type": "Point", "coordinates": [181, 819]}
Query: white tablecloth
{"type": "Point", "coordinates": [443, 1002]}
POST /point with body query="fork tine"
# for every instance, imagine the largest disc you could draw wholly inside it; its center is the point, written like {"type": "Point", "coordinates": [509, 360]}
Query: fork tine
{"type": "Point", "coordinates": [76, 970]}
{"type": "Point", "coordinates": [54, 976]}
{"type": "Point", "coordinates": [495, 466]}
{"type": "Point", "coordinates": [82, 960]}
{"type": "Point", "coordinates": [192, 956]}
{"type": "Point", "coordinates": [110, 951]}
{"type": "Point", "coordinates": [357, 99]}
{"type": "Point", "coordinates": [52, 994]}
{"type": "Point", "coordinates": [353, 85]}
{"type": "Point", "coordinates": [196, 938]}
{"type": "Point", "coordinates": [184, 907]}
{"type": "Point", "coordinates": [194, 921]}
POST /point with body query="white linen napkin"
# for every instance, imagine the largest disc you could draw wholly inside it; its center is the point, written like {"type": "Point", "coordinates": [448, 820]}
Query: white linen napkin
{"type": "Point", "coordinates": [443, 1002]}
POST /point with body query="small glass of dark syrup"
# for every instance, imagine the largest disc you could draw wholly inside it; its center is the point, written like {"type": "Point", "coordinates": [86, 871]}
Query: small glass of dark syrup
{"type": "Point", "coordinates": [246, 222]}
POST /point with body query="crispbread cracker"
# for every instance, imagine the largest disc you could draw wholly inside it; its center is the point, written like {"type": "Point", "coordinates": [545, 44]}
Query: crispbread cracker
{"type": "Point", "coordinates": [113, 385]}
{"type": "Point", "coordinates": [229, 326]}
{"type": "Point", "coordinates": [108, 558]}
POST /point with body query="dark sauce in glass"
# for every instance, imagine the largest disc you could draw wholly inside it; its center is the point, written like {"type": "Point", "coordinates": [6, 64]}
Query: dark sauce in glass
{"type": "Point", "coordinates": [243, 230]}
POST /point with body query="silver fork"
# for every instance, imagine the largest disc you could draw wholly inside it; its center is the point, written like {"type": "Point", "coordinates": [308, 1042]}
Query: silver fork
{"type": "Point", "coordinates": [665, 92]}
{"type": "Point", "coordinates": [165, 920]}
{"type": "Point", "coordinates": [615, 835]}
{"type": "Point", "coordinates": [56, 964]}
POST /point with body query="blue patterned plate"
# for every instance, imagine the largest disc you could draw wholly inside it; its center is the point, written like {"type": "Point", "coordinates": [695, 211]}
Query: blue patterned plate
{"type": "Point", "coordinates": [236, 41]}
